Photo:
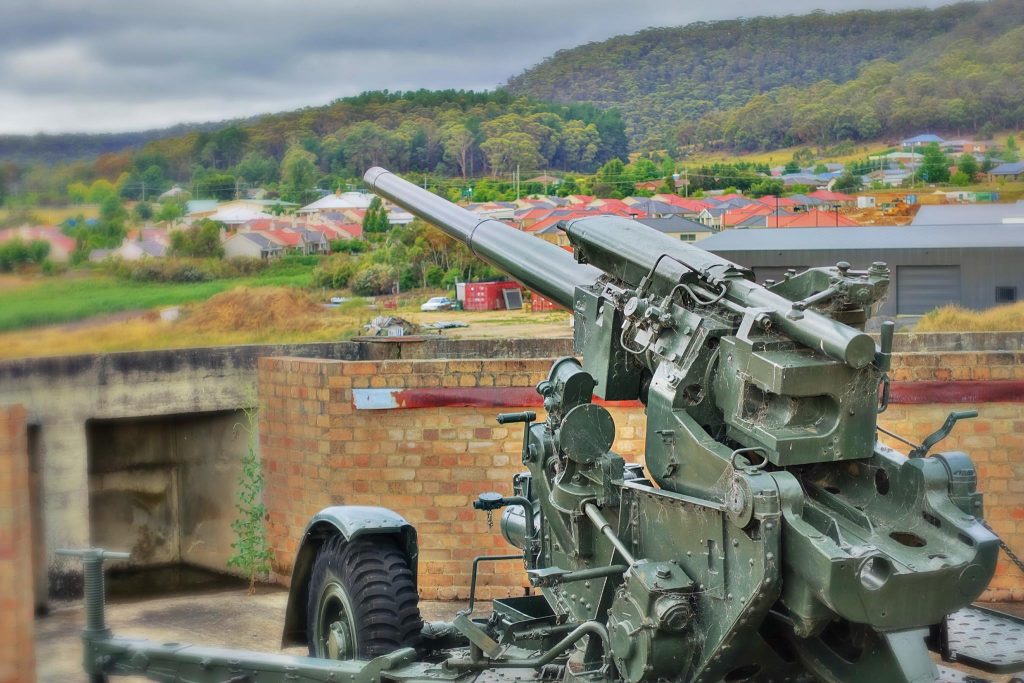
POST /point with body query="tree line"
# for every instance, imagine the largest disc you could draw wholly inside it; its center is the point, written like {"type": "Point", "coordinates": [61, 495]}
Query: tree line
{"type": "Point", "coordinates": [443, 133]}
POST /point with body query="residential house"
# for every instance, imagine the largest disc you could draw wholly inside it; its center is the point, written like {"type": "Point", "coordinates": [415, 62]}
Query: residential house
{"type": "Point", "coordinates": [135, 250]}
{"type": "Point", "coordinates": [679, 228]}
{"type": "Point", "coordinates": [252, 245]}
{"type": "Point", "coordinates": [805, 179]}
{"type": "Point", "coordinates": [61, 246]}
{"type": "Point", "coordinates": [173, 193]}
{"type": "Point", "coordinates": [734, 216]}
{"type": "Point", "coordinates": [712, 217]}
{"type": "Point", "coordinates": [655, 208]}
{"type": "Point", "coordinates": [336, 202]}
{"type": "Point", "coordinates": [834, 199]}
{"type": "Point", "coordinates": [811, 219]}
{"type": "Point", "coordinates": [313, 241]}
{"type": "Point", "coordinates": [236, 216]}
{"type": "Point", "coordinates": [966, 147]}
{"type": "Point", "coordinates": [922, 140]}
{"type": "Point", "coordinates": [1014, 171]}
{"type": "Point", "coordinates": [200, 208]}
{"type": "Point", "coordinates": [887, 177]}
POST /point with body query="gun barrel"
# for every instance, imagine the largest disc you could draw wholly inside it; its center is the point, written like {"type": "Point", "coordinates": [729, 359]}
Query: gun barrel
{"type": "Point", "coordinates": [541, 266]}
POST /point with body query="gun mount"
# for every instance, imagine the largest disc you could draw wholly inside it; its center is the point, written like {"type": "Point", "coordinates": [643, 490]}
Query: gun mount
{"type": "Point", "coordinates": [768, 535]}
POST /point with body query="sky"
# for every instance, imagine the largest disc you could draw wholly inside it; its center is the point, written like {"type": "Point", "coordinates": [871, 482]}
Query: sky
{"type": "Point", "coordinates": [125, 65]}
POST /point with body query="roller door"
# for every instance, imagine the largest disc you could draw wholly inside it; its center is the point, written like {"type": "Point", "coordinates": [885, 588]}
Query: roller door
{"type": "Point", "coordinates": [920, 289]}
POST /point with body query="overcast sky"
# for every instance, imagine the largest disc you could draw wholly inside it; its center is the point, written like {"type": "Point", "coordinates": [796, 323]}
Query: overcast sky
{"type": "Point", "coordinates": [118, 65]}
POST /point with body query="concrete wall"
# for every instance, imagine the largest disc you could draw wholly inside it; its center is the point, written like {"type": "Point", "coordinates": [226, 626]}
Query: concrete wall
{"type": "Point", "coordinates": [17, 642]}
{"type": "Point", "coordinates": [64, 394]}
{"type": "Point", "coordinates": [321, 447]}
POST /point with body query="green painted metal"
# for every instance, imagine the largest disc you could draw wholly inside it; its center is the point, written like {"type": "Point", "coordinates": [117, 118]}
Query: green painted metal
{"type": "Point", "coordinates": [770, 536]}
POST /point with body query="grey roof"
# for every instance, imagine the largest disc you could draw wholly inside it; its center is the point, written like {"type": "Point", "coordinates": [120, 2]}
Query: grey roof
{"type": "Point", "coordinates": [759, 221]}
{"type": "Point", "coordinates": [967, 214]}
{"type": "Point", "coordinates": [652, 206]}
{"type": "Point", "coordinates": [264, 242]}
{"type": "Point", "coordinates": [873, 238]}
{"type": "Point", "coordinates": [200, 205]}
{"type": "Point", "coordinates": [674, 224]}
{"type": "Point", "coordinates": [1015, 168]}
{"type": "Point", "coordinates": [805, 200]}
{"type": "Point", "coordinates": [153, 248]}
{"type": "Point", "coordinates": [924, 137]}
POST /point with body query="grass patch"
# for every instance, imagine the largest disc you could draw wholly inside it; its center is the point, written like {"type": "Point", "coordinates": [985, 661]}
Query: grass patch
{"type": "Point", "coordinates": [1008, 318]}
{"type": "Point", "coordinates": [72, 298]}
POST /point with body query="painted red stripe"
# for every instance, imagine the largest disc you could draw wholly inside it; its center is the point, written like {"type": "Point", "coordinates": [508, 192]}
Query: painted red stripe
{"type": "Point", "coordinates": [481, 397]}
{"type": "Point", "coordinates": [990, 391]}
{"type": "Point", "coordinates": [901, 393]}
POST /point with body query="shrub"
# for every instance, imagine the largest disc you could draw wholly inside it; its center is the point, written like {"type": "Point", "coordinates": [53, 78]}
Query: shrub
{"type": "Point", "coordinates": [334, 273]}
{"type": "Point", "coordinates": [373, 279]}
{"type": "Point", "coordinates": [350, 246]}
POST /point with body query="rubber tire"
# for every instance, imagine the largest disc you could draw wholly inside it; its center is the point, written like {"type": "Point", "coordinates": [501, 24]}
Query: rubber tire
{"type": "Point", "coordinates": [379, 584]}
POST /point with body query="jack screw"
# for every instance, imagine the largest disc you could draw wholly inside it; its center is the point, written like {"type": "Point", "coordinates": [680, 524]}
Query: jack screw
{"type": "Point", "coordinates": [95, 599]}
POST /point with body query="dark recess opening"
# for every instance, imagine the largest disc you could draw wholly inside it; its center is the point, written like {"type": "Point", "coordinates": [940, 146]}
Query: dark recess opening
{"type": "Point", "coordinates": [163, 488]}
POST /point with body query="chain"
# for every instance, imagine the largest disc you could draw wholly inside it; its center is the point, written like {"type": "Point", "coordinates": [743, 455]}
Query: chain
{"type": "Point", "coordinates": [1006, 549]}
{"type": "Point", "coordinates": [490, 520]}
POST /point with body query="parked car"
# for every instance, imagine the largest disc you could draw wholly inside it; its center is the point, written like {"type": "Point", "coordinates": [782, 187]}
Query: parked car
{"type": "Point", "coordinates": [438, 303]}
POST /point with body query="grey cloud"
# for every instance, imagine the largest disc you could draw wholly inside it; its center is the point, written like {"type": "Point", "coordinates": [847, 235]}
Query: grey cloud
{"type": "Point", "coordinates": [119, 65]}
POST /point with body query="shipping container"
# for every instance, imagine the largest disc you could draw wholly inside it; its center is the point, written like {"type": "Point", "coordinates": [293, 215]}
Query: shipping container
{"type": "Point", "coordinates": [539, 303]}
{"type": "Point", "coordinates": [486, 296]}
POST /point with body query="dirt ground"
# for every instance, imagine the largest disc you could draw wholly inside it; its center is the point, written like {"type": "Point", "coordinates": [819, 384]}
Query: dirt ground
{"type": "Point", "coordinates": [227, 618]}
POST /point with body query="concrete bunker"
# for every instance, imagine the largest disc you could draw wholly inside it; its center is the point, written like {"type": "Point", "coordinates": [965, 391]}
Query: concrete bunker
{"type": "Point", "coordinates": [163, 488]}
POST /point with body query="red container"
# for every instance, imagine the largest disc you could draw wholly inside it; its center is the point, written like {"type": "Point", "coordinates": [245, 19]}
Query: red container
{"type": "Point", "coordinates": [539, 303]}
{"type": "Point", "coordinates": [486, 296]}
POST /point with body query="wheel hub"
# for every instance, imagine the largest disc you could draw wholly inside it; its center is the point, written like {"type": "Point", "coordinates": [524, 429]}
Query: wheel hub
{"type": "Point", "coordinates": [339, 641]}
{"type": "Point", "coordinates": [334, 627]}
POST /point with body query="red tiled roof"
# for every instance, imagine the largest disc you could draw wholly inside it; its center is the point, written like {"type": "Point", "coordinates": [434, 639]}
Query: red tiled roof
{"type": "Point", "coordinates": [49, 234]}
{"type": "Point", "coordinates": [829, 196]}
{"type": "Point", "coordinates": [736, 216]}
{"type": "Point", "coordinates": [580, 198]}
{"type": "Point", "coordinates": [693, 205]}
{"type": "Point", "coordinates": [812, 219]}
{"type": "Point", "coordinates": [353, 229]}
{"type": "Point", "coordinates": [289, 239]}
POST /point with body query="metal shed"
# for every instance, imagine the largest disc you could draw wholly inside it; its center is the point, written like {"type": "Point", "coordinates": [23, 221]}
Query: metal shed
{"type": "Point", "coordinates": [977, 266]}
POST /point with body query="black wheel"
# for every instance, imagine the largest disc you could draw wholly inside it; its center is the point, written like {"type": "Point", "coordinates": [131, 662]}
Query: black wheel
{"type": "Point", "coordinates": [362, 600]}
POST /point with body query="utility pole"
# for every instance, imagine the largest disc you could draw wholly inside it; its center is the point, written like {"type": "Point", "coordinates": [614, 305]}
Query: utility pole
{"type": "Point", "coordinates": [517, 182]}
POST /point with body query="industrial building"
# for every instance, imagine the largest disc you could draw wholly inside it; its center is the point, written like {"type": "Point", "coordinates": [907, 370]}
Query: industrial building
{"type": "Point", "coordinates": [977, 267]}
{"type": "Point", "coordinates": [971, 214]}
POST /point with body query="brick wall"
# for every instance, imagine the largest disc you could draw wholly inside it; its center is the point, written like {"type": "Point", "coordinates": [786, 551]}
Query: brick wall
{"type": "Point", "coordinates": [429, 463]}
{"type": "Point", "coordinates": [17, 642]}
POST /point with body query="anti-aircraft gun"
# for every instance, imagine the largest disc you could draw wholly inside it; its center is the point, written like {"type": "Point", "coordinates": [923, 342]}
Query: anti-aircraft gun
{"type": "Point", "coordinates": [768, 536]}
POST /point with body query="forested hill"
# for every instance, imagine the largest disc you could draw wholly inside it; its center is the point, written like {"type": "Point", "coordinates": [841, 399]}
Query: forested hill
{"type": "Point", "coordinates": [62, 147]}
{"type": "Point", "coordinates": [661, 78]}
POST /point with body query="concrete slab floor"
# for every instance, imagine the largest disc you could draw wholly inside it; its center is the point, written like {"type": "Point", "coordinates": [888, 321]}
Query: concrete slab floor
{"type": "Point", "coordinates": [227, 618]}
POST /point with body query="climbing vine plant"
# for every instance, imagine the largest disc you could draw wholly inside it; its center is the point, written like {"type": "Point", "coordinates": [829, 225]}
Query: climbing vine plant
{"type": "Point", "coordinates": [252, 553]}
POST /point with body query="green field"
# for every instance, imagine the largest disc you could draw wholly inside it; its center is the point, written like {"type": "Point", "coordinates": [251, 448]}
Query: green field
{"type": "Point", "coordinates": [67, 299]}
